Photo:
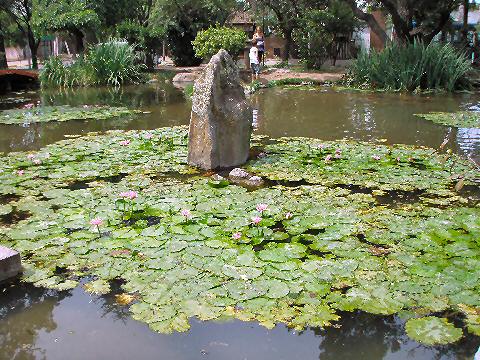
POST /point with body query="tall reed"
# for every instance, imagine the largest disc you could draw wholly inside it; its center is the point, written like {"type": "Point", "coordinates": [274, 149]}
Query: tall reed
{"type": "Point", "coordinates": [410, 67]}
{"type": "Point", "coordinates": [112, 63]}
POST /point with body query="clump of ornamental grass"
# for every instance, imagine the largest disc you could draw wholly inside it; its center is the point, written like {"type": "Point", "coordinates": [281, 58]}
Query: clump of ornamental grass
{"type": "Point", "coordinates": [112, 63]}
{"type": "Point", "coordinates": [411, 67]}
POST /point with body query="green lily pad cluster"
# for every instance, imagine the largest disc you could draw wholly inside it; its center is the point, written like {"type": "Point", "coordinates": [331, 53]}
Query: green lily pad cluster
{"type": "Point", "coordinates": [318, 240]}
{"type": "Point", "coordinates": [62, 113]}
{"type": "Point", "coordinates": [461, 119]}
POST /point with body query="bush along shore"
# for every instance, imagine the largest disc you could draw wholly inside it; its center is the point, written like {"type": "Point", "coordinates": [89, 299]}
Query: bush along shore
{"type": "Point", "coordinates": [411, 67]}
{"type": "Point", "coordinates": [112, 63]}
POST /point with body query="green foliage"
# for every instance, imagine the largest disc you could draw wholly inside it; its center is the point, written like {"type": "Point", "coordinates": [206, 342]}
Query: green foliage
{"type": "Point", "coordinates": [64, 15]}
{"type": "Point", "coordinates": [112, 63]}
{"type": "Point", "coordinates": [144, 37]}
{"type": "Point", "coordinates": [62, 113]}
{"type": "Point", "coordinates": [329, 244]}
{"type": "Point", "coordinates": [183, 19]}
{"type": "Point", "coordinates": [188, 91]}
{"type": "Point", "coordinates": [293, 82]}
{"type": "Point", "coordinates": [410, 67]}
{"type": "Point", "coordinates": [322, 31]}
{"type": "Point", "coordinates": [461, 119]}
{"type": "Point", "coordinates": [209, 42]}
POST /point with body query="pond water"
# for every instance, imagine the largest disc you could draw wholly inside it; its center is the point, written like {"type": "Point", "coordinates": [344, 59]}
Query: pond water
{"type": "Point", "coordinates": [44, 324]}
{"type": "Point", "coordinates": [41, 324]}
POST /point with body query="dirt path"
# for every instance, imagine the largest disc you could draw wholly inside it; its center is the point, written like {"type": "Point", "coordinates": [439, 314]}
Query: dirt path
{"type": "Point", "coordinates": [280, 74]}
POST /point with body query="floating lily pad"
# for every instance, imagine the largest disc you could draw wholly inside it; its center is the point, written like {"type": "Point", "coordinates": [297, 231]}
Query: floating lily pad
{"type": "Point", "coordinates": [433, 331]}
{"type": "Point", "coordinates": [62, 113]}
{"type": "Point", "coordinates": [461, 119]}
{"type": "Point", "coordinates": [125, 205]}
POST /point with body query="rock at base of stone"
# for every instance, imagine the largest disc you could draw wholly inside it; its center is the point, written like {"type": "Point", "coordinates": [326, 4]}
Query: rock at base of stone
{"type": "Point", "coordinates": [221, 122]}
{"type": "Point", "coordinates": [10, 263]}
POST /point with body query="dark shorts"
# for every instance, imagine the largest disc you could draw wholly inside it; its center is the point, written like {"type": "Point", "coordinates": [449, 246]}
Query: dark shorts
{"type": "Point", "coordinates": [255, 68]}
{"type": "Point", "coordinates": [261, 53]}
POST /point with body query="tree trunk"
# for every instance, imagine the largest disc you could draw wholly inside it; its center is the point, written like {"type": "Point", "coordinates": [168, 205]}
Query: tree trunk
{"type": "Point", "coordinates": [288, 45]}
{"type": "Point", "coordinates": [370, 20]}
{"type": "Point", "coordinates": [466, 9]}
{"type": "Point", "coordinates": [149, 60]}
{"type": "Point", "coordinates": [79, 46]}
{"type": "Point", "coordinates": [3, 54]}
{"type": "Point", "coordinates": [33, 45]}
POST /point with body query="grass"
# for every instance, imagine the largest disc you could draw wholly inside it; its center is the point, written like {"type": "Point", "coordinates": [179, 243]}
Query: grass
{"type": "Point", "coordinates": [411, 67]}
{"type": "Point", "coordinates": [112, 63]}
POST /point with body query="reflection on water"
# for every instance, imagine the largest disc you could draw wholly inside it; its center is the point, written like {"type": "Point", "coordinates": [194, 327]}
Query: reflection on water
{"type": "Point", "coordinates": [164, 106]}
{"type": "Point", "coordinates": [39, 324]}
{"type": "Point", "coordinates": [331, 115]}
{"type": "Point", "coordinates": [322, 113]}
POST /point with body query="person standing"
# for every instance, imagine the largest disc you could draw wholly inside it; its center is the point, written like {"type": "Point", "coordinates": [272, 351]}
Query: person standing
{"type": "Point", "coordinates": [260, 37]}
{"type": "Point", "coordinates": [254, 62]}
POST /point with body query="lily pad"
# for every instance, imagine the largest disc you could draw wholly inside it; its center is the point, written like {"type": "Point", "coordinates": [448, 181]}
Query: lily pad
{"type": "Point", "coordinates": [461, 119]}
{"type": "Point", "coordinates": [433, 331]}
{"type": "Point", "coordinates": [62, 113]}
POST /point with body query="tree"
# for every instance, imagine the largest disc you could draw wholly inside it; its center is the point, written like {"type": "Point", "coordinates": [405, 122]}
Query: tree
{"type": "Point", "coordinates": [3, 35]}
{"type": "Point", "coordinates": [21, 12]}
{"type": "Point", "coordinates": [139, 30]}
{"type": "Point", "coordinates": [72, 16]}
{"type": "Point", "coordinates": [209, 42]}
{"type": "Point", "coordinates": [144, 37]}
{"type": "Point", "coordinates": [289, 15]}
{"type": "Point", "coordinates": [412, 19]}
{"type": "Point", "coordinates": [183, 19]}
{"type": "Point", "coordinates": [323, 31]}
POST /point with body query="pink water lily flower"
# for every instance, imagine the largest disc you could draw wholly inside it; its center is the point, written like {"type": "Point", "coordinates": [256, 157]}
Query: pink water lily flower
{"type": "Point", "coordinates": [96, 222]}
{"type": "Point", "coordinates": [124, 142]}
{"type": "Point", "coordinates": [20, 172]}
{"type": "Point", "coordinates": [376, 157]}
{"type": "Point", "coordinates": [30, 156]}
{"type": "Point", "coordinates": [237, 236]}
{"type": "Point", "coordinates": [256, 220]}
{"type": "Point", "coordinates": [186, 213]}
{"type": "Point", "coordinates": [262, 207]}
{"type": "Point", "coordinates": [29, 106]}
{"type": "Point", "coordinates": [328, 158]}
{"type": "Point", "coordinates": [148, 136]}
{"type": "Point", "coordinates": [37, 161]}
{"type": "Point", "coordinates": [288, 215]}
{"type": "Point", "coordinates": [132, 195]}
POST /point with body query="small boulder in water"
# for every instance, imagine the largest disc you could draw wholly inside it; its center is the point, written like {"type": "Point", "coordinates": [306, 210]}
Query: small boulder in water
{"type": "Point", "coordinates": [238, 173]}
{"type": "Point", "coordinates": [256, 180]}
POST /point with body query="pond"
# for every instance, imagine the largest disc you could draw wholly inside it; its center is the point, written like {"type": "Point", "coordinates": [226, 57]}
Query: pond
{"type": "Point", "coordinates": [45, 324]}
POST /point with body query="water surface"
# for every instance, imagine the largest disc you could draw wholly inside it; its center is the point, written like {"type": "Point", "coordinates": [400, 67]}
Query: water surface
{"type": "Point", "coordinates": [44, 324]}
{"type": "Point", "coordinates": [41, 324]}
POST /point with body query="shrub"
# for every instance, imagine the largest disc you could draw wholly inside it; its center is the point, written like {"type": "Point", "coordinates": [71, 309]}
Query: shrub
{"type": "Point", "coordinates": [410, 67]}
{"type": "Point", "coordinates": [112, 63]}
{"type": "Point", "coordinates": [209, 42]}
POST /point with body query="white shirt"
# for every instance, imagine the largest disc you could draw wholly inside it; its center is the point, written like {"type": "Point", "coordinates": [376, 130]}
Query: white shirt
{"type": "Point", "coordinates": [254, 55]}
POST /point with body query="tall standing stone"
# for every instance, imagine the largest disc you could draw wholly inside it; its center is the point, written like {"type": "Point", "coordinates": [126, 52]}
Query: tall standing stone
{"type": "Point", "coordinates": [221, 121]}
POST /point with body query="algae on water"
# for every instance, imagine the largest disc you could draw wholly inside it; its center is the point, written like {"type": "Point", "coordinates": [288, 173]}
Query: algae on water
{"type": "Point", "coordinates": [341, 226]}
{"type": "Point", "coordinates": [62, 113]}
{"type": "Point", "coordinates": [460, 119]}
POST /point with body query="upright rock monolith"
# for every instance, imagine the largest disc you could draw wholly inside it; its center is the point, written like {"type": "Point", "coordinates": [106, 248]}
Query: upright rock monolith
{"type": "Point", "coordinates": [221, 121]}
{"type": "Point", "coordinates": [10, 263]}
